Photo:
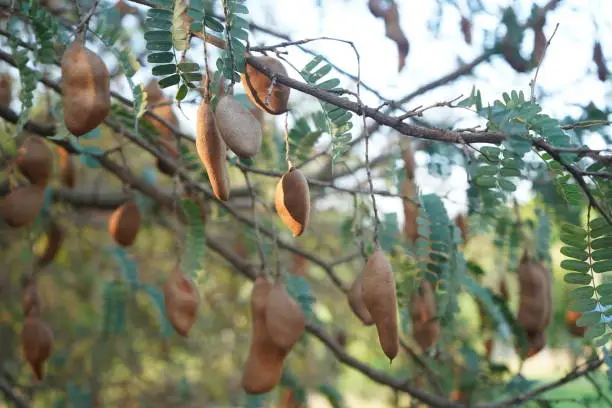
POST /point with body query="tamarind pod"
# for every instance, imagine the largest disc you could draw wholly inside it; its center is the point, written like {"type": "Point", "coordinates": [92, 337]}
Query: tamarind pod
{"type": "Point", "coordinates": [263, 93]}
{"type": "Point", "coordinates": [284, 318]}
{"type": "Point", "coordinates": [35, 160]}
{"type": "Point", "coordinates": [55, 237]}
{"type": "Point", "coordinates": [425, 328]}
{"type": "Point", "coordinates": [182, 301]}
{"type": "Point", "coordinates": [380, 298]}
{"type": "Point", "coordinates": [21, 206]}
{"type": "Point", "coordinates": [264, 365]}
{"type": "Point", "coordinates": [36, 343]}
{"type": "Point", "coordinates": [124, 223]}
{"type": "Point", "coordinates": [67, 168]}
{"type": "Point", "coordinates": [355, 299]}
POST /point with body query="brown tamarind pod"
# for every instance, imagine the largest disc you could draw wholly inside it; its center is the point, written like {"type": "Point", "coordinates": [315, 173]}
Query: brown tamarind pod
{"type": "Point", "coordinates": [125, 9]}
{"type": "Point", "coordinates": [35, 160]}
{"type": "Point", "coordinates": [292, 201]}
{"type": "Point", "coordinates": [461, 222]}
{"type": "Point", "coordinates": [535, 302]}
{"type": "Point", "coordinates": [55, 237]}
{"type": "Point", "coordinates": [36, 343]}
{"type": "Point", "coordinates": [503, 289]}
{"type": "Point", "coordinates": [513, 56]}
{"type": "Point", "coordinates": [182, 301]}
{"type": "Point", "coordinates": [287, 399]}
{"type": "Point", "coordinates": [600, 62]}
{"type": "Point", "coordinates": [411, 210]}
{"type": "Point", "coordinates": [212, 150]}
{"type": "Point", "coordinates": [571, 317]}
{"type": "Point", "coordinates": [425, 326]}
{"type": "Point", "coordinates": [269, 97]}
{"type": "Point", "coordinates": [124, 223]}
{"type": "Point", "coordinates": [536, 342]}
{"type": "Point", "coordinates": [466, 30]}
{"type": "Point", "coordinates": [169, 148]}
{"type": "Point", "coordinates": [238, 127]}
{"type": "Point", "coordinates": [85, 88]}
{"type": "Point", "coordinates": [408, 157]}
{"type": "Point", "coordinates": [285, 319]}
{"type": "Point", "coordinates": [539, 45]}
{"type": "Point", "coordinates": [264, 365]}
{"type": "Point", "coordinates": [380, 298]}
{"type": "Point", "coordinates": [21, 206]}
{"type": "Point", "coordinates": [6, 89]}
{"type": "Point", "coordinates": [355, 299]}
{"type": "Point", "coordinates": [67, 168]}
{"type": "Point", "coordinates": [161, 106]}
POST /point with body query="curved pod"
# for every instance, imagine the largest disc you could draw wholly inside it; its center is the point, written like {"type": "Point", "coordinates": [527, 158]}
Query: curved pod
{"type": "Point", "coordinates": [292, 201]}
{"type": "Point", "coordinates": [425, 329]}
{"type": "Point", "coordinates": [36, 343]}
{"type": "Point", "coordinates": [379, 297]}
{"type": "Point", "coordinates": [35, 160]}
{"type": "Point", "coordinates": [182, 301]}
{"type": "Point", "coordinates": [264, 365]}
{"type": "Point", "coordinates": [85, 89]}
{"type": "Point", "coordinates": [211, 150]}
{"type": "Point", "coordinates": [355, 299]}
{"type": "Point", "coordinates": [267, 97]}
{"type": "Point", "coordinates": [67, 168]}
{"type": "Point", "coordinates": [124, 224]}
{"type": "Point", "coordinates": [284, 318]}
{"type": "Point", "coordinates": [22, 205]}
{"type": "Point", "coordinates": [238, 127]}
{"type": "Point", "coordinates": [55, 237]}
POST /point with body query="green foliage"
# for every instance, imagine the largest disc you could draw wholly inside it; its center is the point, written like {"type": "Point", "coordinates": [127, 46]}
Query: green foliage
{"type": "Point", "coordinates": [299, 288]}
{"type": "Point", "coordinates": [337, 119]}
{"type": "Point", "coordinates": [157, 297]}
{"type": "Point", "coordinates": [542, 236]}
{"type": "Point", "coordinates": [519, 118]}
{"type": "Point", "coordinates": [45, 29]}
{"type": "Point", "coordinates": [256, 401]}
{"type": "Point", "coordinates": [289, 380]}
{"type": "Point", "coordinates": [231, 63]}
{"type": "Point", "coordinates": [333, 395]}
{"type": "Point", "coordinates": [167, 33]}
{"type": "Point", "coordinates": [491, 306]}
{"type": "Point", "coordinates": [588, 253]}
{"type": "Point", "coordinates": [113, 308]}
{"type": "Point", "coordinates": [195, 239]}
{"type": "Point", "coordinates": [303, 137]}
{"type": "Point", "coordinates": [28, 77]}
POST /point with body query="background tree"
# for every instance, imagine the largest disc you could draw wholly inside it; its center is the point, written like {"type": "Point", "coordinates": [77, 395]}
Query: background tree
{"type": "Point", "coordinates": [119, 233]}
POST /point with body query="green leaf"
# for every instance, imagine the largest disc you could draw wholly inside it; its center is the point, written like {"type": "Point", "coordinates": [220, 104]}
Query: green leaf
{"type": "Point", "coordinates": [195, 245]}
{"type": "Point", "coordinates": [588, 319]}
{"type": "Point", "coordinates": [192, 77]}
{"type": "Point", "coordinates": [156, 23]}
{"type": "Point", "coordinates": [577, 278]}
{"type": "Point", "coordinates": [574, 241]}
{"type": "Point", "coordinates": [573, 265]}
{"type": "Point", "coordinates": [159, 14]}
{"type": "Point", "coordinates": [506, 185]}
{"type": "Point", "coordinates": [188, 66]}
{"type": "Point", "coordinates": [169, 81]}
{"type": "Point", "coordinates": [605, 289]}
{"type": "Point", "coordinates": [160, 57]}
{"type": "Point", "coordinates": [487, 170]}
{"type": "Point", "coordinates": [602, 266]}
{"type": "Point", "coordinates": [510, 172]}
{"type": "Point", "coordinates": [582, 305]}
{"type": "Point", "coordinates": [486, 181]}
{"type": "Point", "coordinates": [163, 70]}
{"type": "Point", "coordinates": [182, 92]}
{"type": "Point", "coordinates": [601, 243]}
{"type": "Point", "coordinates": [159, 46]}
{"type": "Point", "coordinates": [575, 253]}
{"type": "Point", "coordinates": [584, 292]}
{"type": "Point", "coordinates": [598, 223]}
{"type": "Point", "coordinates": [213, 24]}
{"type": "Point", "coordinates": [161, 36]}
{"type": "Point", "coordinates": [594, 331]}
{"type": "Point", "coordinates": [575, 230]}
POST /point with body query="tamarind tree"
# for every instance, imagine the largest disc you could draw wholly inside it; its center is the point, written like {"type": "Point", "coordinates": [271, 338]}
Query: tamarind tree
{"type": "Point", "coordinates": [160, 156]}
